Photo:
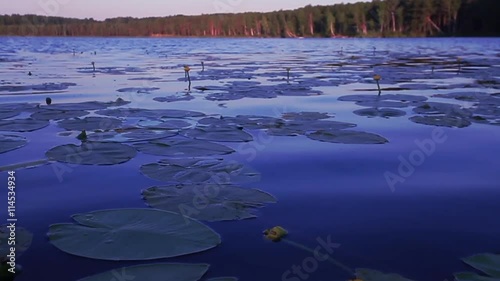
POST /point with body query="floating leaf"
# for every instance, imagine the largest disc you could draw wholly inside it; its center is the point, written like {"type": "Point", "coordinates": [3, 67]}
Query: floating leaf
{"type": "Point", "coordinates": [304, 116]}
{"type": "Point", "coordinates": [373, 275]}
{"type": "Point", "coordinates": [23, 240]}
{"type": "Point", "coordinates": [194, 170]}
{"type": "Point", "coordinates": [11, 142]}
{"type": "Point", "coordinates": [380, 112]}
{"type": "Point", "coordinates": [216, 133]}
{"type": "Point", "coordinates": [149, 113]}
{"type": "Point", "coordinates": [174, 98]}
{"type": "Point", "coordinates": [169, 124]}
{"type": "Point", "coordinates": [441, 120]}
{"type": "Point", "coordinates": [132, 234]}
{"type": "Point", "coordinates": [469, 276]}
{"type": "Point", "coordinates": [208, 202]}
{"type": "Point", "coordinates": [430, 108]}
{"type": "Point", "coordinates": [89, 105]}
{"type": "Point", "coordinates": [138, 90]}
{"type": "Point", "coordinates": [183, 148]}
{"type": "Point", "coordinates": [129, 135]}
{"type": "Point", "coordinates": [347, 137]}
{"type": "Point", "coordinates": [90, 124]}
{"type": "Point", "coordinates": [45, 114]}
{"type": "Point", "coordinates": [154, 272]}
{"type": "Point", "coordinates": [22, 125]}
{"type": "Point", "coordinates": [294, 128]}
{"type": "Point", "coordinates": [92, 153]}
{"type": "Point", "coordinates": [487, 263]}
{"type": "Point", "coordinates": [4, 114]}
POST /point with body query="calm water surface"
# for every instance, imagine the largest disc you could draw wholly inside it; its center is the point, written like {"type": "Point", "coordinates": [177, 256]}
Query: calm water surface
{"type": "Point", "coordinates": [447, 209]}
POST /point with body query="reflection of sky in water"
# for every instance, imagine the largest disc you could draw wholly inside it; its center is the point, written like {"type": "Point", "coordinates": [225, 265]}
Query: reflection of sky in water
{"type": "Point", "coordinates": [447, 209]}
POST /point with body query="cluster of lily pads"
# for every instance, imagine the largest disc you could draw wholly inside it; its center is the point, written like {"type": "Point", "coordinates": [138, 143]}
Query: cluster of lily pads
{"type": "Point", "coordinates": [484, 108]}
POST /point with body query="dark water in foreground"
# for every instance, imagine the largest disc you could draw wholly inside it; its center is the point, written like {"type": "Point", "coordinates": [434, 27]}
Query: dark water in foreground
{"type": "Point", "coordinates": [447, 209]}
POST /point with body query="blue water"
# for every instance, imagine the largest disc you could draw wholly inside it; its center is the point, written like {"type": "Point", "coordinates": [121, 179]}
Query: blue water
{"type": "Point", "coordinates": [447, 209]}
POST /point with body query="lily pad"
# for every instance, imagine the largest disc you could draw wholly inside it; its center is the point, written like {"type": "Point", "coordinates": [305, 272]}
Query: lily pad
{"type": "Point", "coordinates": [132, 234]}
{"type": "Point", "coordinates": [487, 263]}
{"type": "Point", "coordinates": [347, 137]}
{"type": "Point", "coordinates": [430, 108]}
{"type": "Point", "coordinates": [23, 240]}
{"type": "Point", "coordinates": [150, 113]}
{"type": "Point", "coordinates": [304, 116]}
{"type": "Point", "coordinates": [374, 275]}
{"type": "Point", "coordinates": [208, 202]}
{"type": "Point", "coordinates": [22, 125]}
{"type": "Point", "coordinates": [192, 170]}
{"type": "Point", "coordinates": [129, 135]}
{"type": "Point", "coordinates": [92, 153]}
{"type": "Point", "coordinates": [183, 148]}
{"type": "Point", "coordinates": [89, 105]}
{"type": "Point", "coordinates": [154, 272]}
{"type": "Point", "coordinates": [90, 123]}
{"type": "Point", "coordinates": [11, 142]}
{"type": "Point", "coordinates": [169, 124]}
{"type": "Point", "coordinates": [4, 114]}
{"type": "Point", "coordinates": [441, 121]}
{"type": "Point", "coordinates": [138, 90]}
{"type": "Point", "coordinates": [294, 128]}
{"type": "Point", "coordinates": [174, 98]}
{"type": "Point", "coordinates": [216, 133]}
{"type": "Point", "coordinates": [45, 114]}
{"type": "Point", "coordinates": [380, 112]}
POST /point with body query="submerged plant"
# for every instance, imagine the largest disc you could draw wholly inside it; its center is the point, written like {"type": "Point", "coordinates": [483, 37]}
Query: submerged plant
{"type": "Point", "coordinates": [278, 233]}
{"type": "Point", "coordinates": [377, 79]}
{"type": "Point", "coordinates": [186, 72]}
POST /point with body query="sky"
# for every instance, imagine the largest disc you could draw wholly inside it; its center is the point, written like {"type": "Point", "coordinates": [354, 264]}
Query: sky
{"type": "Point", "coordinates": [102, 9]}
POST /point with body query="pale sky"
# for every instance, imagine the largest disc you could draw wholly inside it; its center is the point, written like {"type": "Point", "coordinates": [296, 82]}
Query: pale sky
{"type": "Point", "coordinates": [101, 9]}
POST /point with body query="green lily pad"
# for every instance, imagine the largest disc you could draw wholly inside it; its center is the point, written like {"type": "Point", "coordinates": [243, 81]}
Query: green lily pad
{"type": "Point", "coordinates": [92, 153]}
{"type": "Point", "coordinates": [132, 234]}
{"type": "Point", "coordinates": [487, 263]}
{"type": "Point", "coordinates": [441, 121]}
{"type": "Point", "coordinates": [11, 142]}
{"type": "Point", "coordinates": [210, 202]}
{"type": "Point", "coordinates": [192, 170]}
{"type": "Point", "coordinates": [469, 276]}
{"type": "Point", "coordinates": [374, 275]}
{"type": "Point", "coordinates": [302, 127]}
{"type": "Point", "coordinates": [129, 135]}
{"type": "Point", "coordinates": [154, 272]}
{"type": "Point", "coordinates": [183, 148]}
{"type": "Point", "coordinates": [347, 137]}
{"type": "Point", "coordinates": [216, 133]}
{"type": "Point", "coordinates": [437, 108]}
{"type": "Point", "coordinates": [90, 124]}
{"type": "Point", "coordinates": [45, 114]}
{"type": "Point", "coordinates": [23, 240]}
{"type": "Point", "coordinates": [22, 125]}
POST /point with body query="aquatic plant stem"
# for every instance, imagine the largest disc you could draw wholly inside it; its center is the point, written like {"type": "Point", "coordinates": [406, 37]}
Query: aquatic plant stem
{"type": "Point", "coordinates": [379, 90]}
{"type": "Point", "coordinates": [330, 259]}
{"type": "Point", "coordinates": [202, 66]}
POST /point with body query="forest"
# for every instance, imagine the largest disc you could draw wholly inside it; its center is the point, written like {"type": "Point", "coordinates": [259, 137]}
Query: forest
{"type": "Point", "coordinates": [379, 18]}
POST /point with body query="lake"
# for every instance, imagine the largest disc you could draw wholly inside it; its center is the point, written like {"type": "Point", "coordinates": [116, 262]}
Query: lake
{"type": "Point", "coordinates": [406, 182]}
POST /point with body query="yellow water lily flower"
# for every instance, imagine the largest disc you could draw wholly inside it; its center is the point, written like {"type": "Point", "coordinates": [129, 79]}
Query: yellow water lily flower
{"type": "Point", "coordinates": [275, 233]}
{"type": "Point", "coordinates": [186, 68]}
{"type": "Point", "coordinates": [377, 77]}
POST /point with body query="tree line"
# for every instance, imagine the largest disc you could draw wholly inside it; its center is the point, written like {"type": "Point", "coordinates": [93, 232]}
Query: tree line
{"type": "Point", "coordinates": [379, 18]}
